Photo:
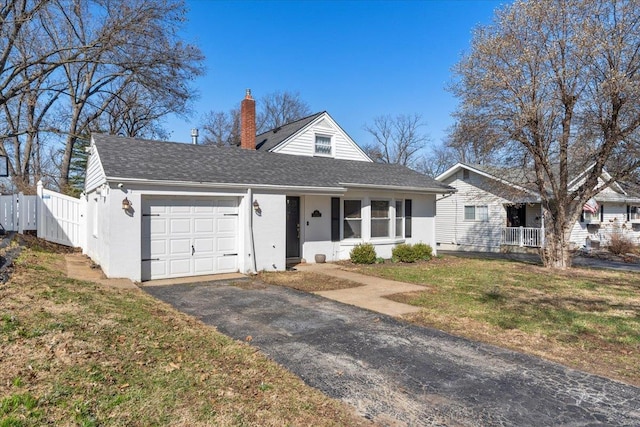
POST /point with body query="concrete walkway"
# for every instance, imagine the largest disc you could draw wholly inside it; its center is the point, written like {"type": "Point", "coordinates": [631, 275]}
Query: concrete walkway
{"type": "Point", "coordinates": [371, 295]}
{"type": "Point", "coordinates": [79, 267]}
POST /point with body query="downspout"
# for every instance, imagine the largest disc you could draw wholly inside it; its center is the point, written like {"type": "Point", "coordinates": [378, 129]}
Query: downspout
{"type": "Point", "coordinates": [251, 239]}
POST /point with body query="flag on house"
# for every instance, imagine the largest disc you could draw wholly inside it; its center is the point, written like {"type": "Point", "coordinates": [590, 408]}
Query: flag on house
{"type": "Point", "coordinates": [591, 206]}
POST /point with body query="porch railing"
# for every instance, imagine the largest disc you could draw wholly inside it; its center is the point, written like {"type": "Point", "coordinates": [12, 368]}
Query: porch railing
{"type": "Point", "coordinates": [523, 236]}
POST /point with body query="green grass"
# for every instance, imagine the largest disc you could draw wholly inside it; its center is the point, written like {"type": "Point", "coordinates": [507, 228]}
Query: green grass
{"type": "Point", "coordinates": [77, 353]}
{"type": "Point", "coordinates": [560, 315]}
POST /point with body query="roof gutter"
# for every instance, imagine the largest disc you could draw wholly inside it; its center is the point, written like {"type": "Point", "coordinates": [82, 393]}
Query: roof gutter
{"type": "Point", "coordinates": [400, 188]}
{"type": "Point", "coordinates": [217, 185]}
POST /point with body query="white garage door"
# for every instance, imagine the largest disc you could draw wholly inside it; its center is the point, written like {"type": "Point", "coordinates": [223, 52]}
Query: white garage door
{"type": "Point", "coordinates": [189, 237]}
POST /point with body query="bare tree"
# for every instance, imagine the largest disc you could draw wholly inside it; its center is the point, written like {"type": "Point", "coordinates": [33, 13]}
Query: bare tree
{"type": "Point", "coordinates": [273, 110]}
{"type": "Point", "coordinates": [398, 139]}
{"type": "Point", "coordinates": [220, 128]}
{"type": "Point", "coordinates": [558, 84]}
{"type": "Point", "coordinates": [279, 108]}
{"type": "Point", "coordinates": [134, 54]}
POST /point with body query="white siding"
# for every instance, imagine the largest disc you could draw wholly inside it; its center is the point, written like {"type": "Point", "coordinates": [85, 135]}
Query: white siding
{"type": "Point", "coordinates": [453, 232]}
{"type": "Point", "coordinates": [269, 232]}
{"type": "Point", "coordinates": [614, 221]}
{"type": "Point", "coordinates": [95, 174]}
{"type": "Point", "coordinates": [303, 144]}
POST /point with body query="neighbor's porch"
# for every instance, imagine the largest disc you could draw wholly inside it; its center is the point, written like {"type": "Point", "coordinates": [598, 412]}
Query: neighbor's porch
{"type": "Point", "coordinates": [525, 225]}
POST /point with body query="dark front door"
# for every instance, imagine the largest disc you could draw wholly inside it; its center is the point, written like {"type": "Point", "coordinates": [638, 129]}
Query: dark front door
{"type": "Point", "coordinates": [293, 227]}
{"type": "Point", "coordinates": [516, 216]}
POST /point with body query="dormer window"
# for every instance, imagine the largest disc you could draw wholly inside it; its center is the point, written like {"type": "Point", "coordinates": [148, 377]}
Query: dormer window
{"type": "Point", "coordinates": [323, 145]}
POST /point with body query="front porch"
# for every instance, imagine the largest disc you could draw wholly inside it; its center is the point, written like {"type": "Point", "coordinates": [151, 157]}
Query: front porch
{"type": "Point", "coordinates": [532, 237]}
{"type": "Point", "coordinates": [525, 226]}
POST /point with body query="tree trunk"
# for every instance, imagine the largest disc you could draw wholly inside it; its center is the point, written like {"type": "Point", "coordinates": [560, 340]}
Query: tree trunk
{"type": "Point", "coordinates": [556, 252]}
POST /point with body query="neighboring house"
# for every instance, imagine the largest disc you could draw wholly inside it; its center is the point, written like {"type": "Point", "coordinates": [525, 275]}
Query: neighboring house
{"type": "Point", "coordinates": [491, 213]}
{"type": "Point", "coordinates": [162, 209]}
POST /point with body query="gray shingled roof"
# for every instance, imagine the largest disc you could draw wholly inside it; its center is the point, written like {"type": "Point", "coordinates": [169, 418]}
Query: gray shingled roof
{"type": "Point", "coordinates": [130, 158]}
{"type": "Point", "coordinates": [269, 139]}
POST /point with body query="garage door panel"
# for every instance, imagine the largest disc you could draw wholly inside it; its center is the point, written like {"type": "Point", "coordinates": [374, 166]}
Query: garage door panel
{"type": "Point", "coordinates": [158, 269]}
{"type": "Point", "coordinates": [204, 210]}
{"type": "Point", "coordinates": [180, 267]}
{"type": "Point", "coordinates": [204, 265]}
{"type": "Point", "coordinates": [203, 225]}
{"type": "Point", "coordinates": [180, 226]}
{"type": "Point", "coordinates": [204, 246]}
{"type": "Point", "coordinates": [226, 244]}
{"type": "Point", "coordinates": [173, 226]}
{"type": "Point", "coordinates": [180, 207]}
{"type": "Point", "coordinates": [158, 248]}
{"type": "Point", "coordinates": [226, 224]}
{"type": "Point", "coordinates": [158, 226]}
{"type": "Point", "coordinates": [179, 247]}
{"type": "Point", "coordinates": [227, 264]}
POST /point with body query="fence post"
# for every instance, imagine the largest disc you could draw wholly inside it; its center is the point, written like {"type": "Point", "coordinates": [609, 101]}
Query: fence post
{"type": "Point", "coordinates": [521, 236]}
{"type": "Point", "coordinates": [40, 211]}
{"type": "Point", "coordinates": [21, 211]}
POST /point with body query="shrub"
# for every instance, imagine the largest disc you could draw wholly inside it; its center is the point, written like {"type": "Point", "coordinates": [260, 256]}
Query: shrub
{"type": "Point", "coordinates": [404, 253]}
{"type": "Point", "coordinates": [423, 251]}
{"type": "Point", "coordinates": [363, 254]}
{"type": "Point", "coordinates": [619, 244]}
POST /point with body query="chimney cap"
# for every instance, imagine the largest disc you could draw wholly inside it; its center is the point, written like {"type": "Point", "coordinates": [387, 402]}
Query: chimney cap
{"type": "Point", "coordinates": [248, 94]}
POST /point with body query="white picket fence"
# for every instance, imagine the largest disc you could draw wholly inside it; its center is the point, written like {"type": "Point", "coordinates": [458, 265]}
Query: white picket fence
{"type": "Point", "coordinates": [56, 217]}
{"type": "Point", "coordinates": [18, 212]}
{"type": "Point", "coordinates": [60, 218]}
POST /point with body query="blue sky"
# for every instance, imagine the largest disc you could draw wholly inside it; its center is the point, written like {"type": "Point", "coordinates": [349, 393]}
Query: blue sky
{"type": "Point", "coordinates": [354, 59]}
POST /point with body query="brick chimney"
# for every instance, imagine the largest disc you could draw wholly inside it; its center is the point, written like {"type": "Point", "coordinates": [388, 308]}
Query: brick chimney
{"type": "Point", "coordinates": [248, 122]}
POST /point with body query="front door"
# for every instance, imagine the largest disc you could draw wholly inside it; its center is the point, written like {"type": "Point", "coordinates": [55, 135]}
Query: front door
{"type": "Point", "coordinates": [516, 216]}
{"type": "Point", "coordinates": [293, 227]}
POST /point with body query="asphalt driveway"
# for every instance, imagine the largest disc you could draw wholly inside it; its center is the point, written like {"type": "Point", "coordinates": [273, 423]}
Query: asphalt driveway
{"type": "Point", "coordinates": [396, 373]}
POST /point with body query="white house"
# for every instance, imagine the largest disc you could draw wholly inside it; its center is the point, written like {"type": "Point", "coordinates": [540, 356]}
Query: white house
{"type": "Point", "coordinates": [162, 209]}
{"type": "Point", "coordinates": [490, 212]}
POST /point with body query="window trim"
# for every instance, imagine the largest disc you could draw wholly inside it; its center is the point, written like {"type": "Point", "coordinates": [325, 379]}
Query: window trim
{"type": "Point", "coordinates": [388, 218]}
{"type": "Point", "coordinates": [345, 219]}
{"type": "Point", "coordinates": [398, 234]}
{"type": "Point", "coordinates": [315, 145]}
{"type": "Point", "coordinates": [476, 213]}
{"type": "Point", "coordinates": [408, 218]}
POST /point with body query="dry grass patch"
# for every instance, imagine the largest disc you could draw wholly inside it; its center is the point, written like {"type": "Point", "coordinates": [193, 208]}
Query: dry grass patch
{"type": "Point", "coordinates": [76, 353]}
{"type": "Point", "coordinates": [306, 281]}
{"type": "Point", "coordinates": [587, 319]}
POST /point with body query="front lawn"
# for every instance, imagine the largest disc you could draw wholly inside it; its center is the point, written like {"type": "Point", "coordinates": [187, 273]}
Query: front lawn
{"type": "Point", "coordinates": [77, 353]}
{"type": "Point", "coordinates": [588, 319]}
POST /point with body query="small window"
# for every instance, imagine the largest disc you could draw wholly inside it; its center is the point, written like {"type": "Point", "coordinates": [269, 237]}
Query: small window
{"type": "Point", "coordinates": [634, 213]}
{"type": "Point", "coordinates": [476, 213]}
{"type": "Point", "coordinates": [469, 213]}
{"type": "Point", "coordinates": [399, 218]}
{"type": "Point", "coordinates": [380, 219]}
{"type": "Point", "coordinates": [352, 219]}
{"type": "Point", "coordinates": [465, 174]}
{"type": "Point", "coordinates": [323, 145]}
{"type": "Point", "coordinates": [407, 217]}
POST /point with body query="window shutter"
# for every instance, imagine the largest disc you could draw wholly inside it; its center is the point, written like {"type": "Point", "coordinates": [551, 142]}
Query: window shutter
{"type": "Point", "coordinates": [407, 218]}
{"type": "Point", "coordinates": [601, 213]}
{"type": "Point", "coordinates": [628, 212]}
{"type": "Point", "coordinates": [335, 219]}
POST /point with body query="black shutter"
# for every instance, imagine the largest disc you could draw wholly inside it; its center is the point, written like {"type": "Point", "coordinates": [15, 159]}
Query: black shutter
{"type": "Point", "coordinates": [601, 213]}
{"type": "Point", "coordinates": [335, 219]}
{"type": "Point", "coordinates": [628, 212]}
{"type": "Point", "coordinates": [407, 218]}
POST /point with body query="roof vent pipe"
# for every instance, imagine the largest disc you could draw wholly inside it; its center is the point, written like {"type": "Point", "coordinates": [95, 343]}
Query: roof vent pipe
{"type": "Point", "coordinates": [194, 136]}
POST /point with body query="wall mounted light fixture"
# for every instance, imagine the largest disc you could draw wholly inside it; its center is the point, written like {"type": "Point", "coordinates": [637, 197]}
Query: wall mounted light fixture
{"type": "Point", "coordinates": [256, 208]}
{"type": "Point", "coordinates": [126, 204]}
